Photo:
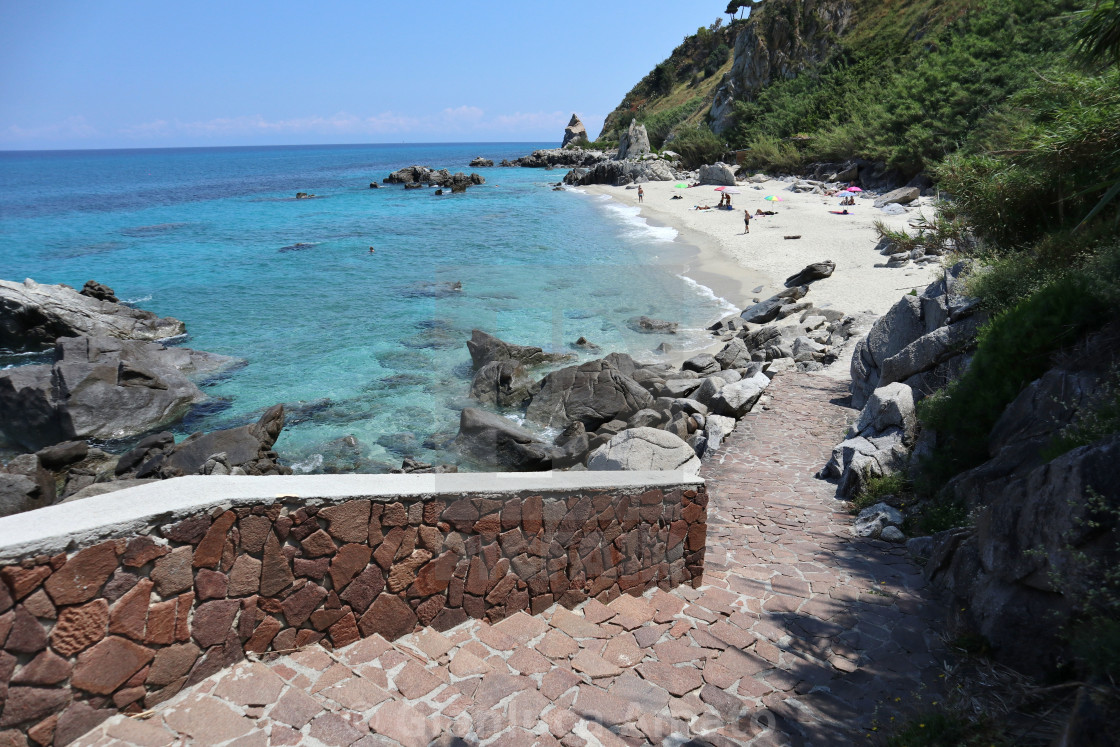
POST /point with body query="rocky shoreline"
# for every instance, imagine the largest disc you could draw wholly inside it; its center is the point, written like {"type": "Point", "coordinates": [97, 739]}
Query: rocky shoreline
{"type": "Point", "coordinates": [111, 379]}
{"type": "Point", "coordinates": [614, 413]}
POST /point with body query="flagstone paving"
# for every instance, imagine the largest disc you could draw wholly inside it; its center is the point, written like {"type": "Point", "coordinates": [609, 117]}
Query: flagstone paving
{"type": "Point", "coordinates": [801, 635]}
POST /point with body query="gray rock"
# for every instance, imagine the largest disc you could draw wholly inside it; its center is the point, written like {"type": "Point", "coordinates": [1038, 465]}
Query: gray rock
{"type": "Point", "coordinates": [248, 447]}
{"type": "Point", "coordinates": [688, 407]}
{"type": "Point", "coordinates": [873, 519]}
{"type": "Point", "coordinates": [703, 364]}
{"type": "Point", "coordinates": [645, 449]}
{"type": "Point", "coordinates": [499, 441]}
{"type": "Point", "coordinates": [929, 350]}
{"type": "Point", "coordinates": [419, 175]}
{"type": "Point", "coordinates": [719, 174]}
{"type": "Point", "coordinates": [622, 173]}
{"type": "Point", "coordinates": [1039, 547]}
{"type": "Point", "coordinates": [481, 163]}
{"type": "Point", "coordinates": [903, 196]}
{"type": "Point", "coordinates": [699, 443]}
{"type": "Point", "coordinates": [647, 418]}
{"type": "Point", "coordinates": [890, 406]}
{"type": "Point", "coordinates": [890, 334]}
{"type": "Point", "coordinates": [63, 454]}
{"type": "Point", "coordinates": [592, 393]}
{"type": "Point", "coordinates": [768, 310]}
{"type": "Point", "coordinates": [708, 389]}
{"type": "Point", "coordinates": [553, 157]}
{"type": "Point", "coordinates": [100, 388]}
{"type": "Point", "coordinates": [485, 348]}
{"type": "Point", "coordinates": [716, 429]}
{"type": "Point", "coordinates": [815, 271]}
{"type": "Point", "coordinates": [736, 399]}
{"type": "Point", "coordinates": [502, 383]}
{"type": "Point", "coordinates": [634, 142]}
{"type": "Point", "coordinates": [892, 534]}
{"type": "Point", "coordinates": [677, 388]}
{"type": "Point", "coordinates": [920, 548]}
{"type": "Point", "coordinates": [34, 316]}
{"type": "Point", "coordinates": [19, 493]}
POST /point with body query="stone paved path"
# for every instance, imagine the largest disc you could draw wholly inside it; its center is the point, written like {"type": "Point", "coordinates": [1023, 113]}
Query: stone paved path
{"type": "Point", "coordinates": [801, 634]}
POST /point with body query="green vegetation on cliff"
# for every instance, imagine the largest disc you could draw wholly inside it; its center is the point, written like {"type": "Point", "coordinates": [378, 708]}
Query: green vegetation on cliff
{"type": "Point", "coordinates": [910, 83]}
{"type": "Point", "coordinates": [677, 92]}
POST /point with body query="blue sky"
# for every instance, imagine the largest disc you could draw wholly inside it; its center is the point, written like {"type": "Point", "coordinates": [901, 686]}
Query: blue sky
{"type": "Point", "coordinates": [129, 74]}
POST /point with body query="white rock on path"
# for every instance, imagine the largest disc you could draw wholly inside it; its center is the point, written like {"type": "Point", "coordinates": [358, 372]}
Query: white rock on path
{"type": "Point", "coordinates": [637, 449]}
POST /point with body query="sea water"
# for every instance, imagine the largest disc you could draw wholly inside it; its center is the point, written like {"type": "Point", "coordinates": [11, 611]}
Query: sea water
{"type": "Point", "coordinates": [355, 344]}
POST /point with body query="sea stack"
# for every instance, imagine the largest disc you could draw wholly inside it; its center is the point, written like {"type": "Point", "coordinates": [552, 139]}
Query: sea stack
{"type": "Point", "coordinates": [574, 131]}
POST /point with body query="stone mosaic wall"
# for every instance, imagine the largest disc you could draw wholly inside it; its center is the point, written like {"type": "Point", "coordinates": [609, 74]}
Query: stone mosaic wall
{"type": "Point", "coordinates": [127, 623]}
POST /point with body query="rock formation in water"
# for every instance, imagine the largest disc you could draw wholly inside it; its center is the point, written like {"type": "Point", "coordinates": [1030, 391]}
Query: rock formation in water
{"type": "Point", "coordinates": [33, 316]}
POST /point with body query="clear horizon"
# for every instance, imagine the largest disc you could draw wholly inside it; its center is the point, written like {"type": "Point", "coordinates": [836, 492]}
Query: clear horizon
{"type": "Point", "coordinates": [125, 74]}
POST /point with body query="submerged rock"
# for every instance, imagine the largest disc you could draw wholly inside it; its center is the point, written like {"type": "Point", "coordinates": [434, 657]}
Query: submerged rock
{"type": "Point", "coordinates": [499, 441]}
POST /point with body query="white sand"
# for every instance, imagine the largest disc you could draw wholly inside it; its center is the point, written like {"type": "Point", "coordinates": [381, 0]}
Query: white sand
{"type": "Point", "coordinates": [734, 264]}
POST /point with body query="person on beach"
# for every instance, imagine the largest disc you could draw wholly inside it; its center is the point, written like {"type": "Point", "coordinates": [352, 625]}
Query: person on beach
{"type": "Point", "coordinates": [747, 221]}
{"type": "Point", "coordinates": [641, 193]}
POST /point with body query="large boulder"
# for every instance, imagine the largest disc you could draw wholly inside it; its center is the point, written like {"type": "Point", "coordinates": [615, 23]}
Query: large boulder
{"type": "Point", "coordinates": [574, 132]}
{"type": "Point", "coordinates": [719, 174]}
{"type": "Point", "coordinates": [248, 447]}
{"type": "Point", "coordinates": [503, 383]}
{"type": "Point", "coordinates": [621, 173]}
{"type": "Point", "coordinates": [773, 307]}
{"type": "Point", "coordinates": [499, 441]}
{"type": "Point", "coordinates": [890, 406]}
{"type": "Point", "coordinates": [34, 316]}
{"type": "Point", "coordinates": [734, 354]}
{"type": "Point", "coordinates": [592, 393]}
{"type": "Point", "coordinates": [101, 388]}
{"type": "Point", "coordinates": [815, 271]}
{"type": "Point", "coordinates": [903, 196]}
{"type": "Point", "coordinates": [481, 163]}
{"type": "Point", "coordinates": [736, 399]}
{"type": "Point", "coordinates": [246, 450]}
{"type": "Point", "coordinates": [485, 348]}
{"type": "Point", "coordinates": [927, 338]}
{"type": "Point", "coordinates": [645, 449]}
{"type": "Point", "coordinates": [634, 142]}
{"type": "Point", "coordinates": [1040, 547]}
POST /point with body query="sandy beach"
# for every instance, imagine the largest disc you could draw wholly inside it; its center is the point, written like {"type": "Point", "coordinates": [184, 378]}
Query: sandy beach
{"type": "Point", "coordinates": [744, 267]}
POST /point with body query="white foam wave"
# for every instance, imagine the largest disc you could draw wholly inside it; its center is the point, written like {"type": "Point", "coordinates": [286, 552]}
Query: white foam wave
{"type": "Point", "coordinates": [707, 292]}
{"type": "Point", "coordinates": [637, 226]}
{"type": "Point", "coordinates": [309, 465]}
{"type": "Point", "coordinates": [139, 300]}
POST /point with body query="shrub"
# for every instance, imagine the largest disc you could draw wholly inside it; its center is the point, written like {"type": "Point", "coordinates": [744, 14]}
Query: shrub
{"type": "Point", "coordinates": [697, 145]}
{"type": "Point", "coordinates": [1013, 350]}
{"type": "Point", "coordinates": [766, 153]}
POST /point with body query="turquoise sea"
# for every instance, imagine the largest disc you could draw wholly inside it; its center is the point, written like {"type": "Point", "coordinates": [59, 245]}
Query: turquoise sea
{"type": "Point", "coordinates": [354, 344]}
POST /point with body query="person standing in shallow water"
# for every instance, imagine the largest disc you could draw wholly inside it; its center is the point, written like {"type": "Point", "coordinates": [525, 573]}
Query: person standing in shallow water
{"type": "Point", "coordinates": [641, 193]}
{"type": "Point", "coordinates": [747, 221]}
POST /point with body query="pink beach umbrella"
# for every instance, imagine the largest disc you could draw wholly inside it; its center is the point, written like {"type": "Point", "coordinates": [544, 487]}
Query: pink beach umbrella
{"type": "Point", "coordinates": [853, 189]}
